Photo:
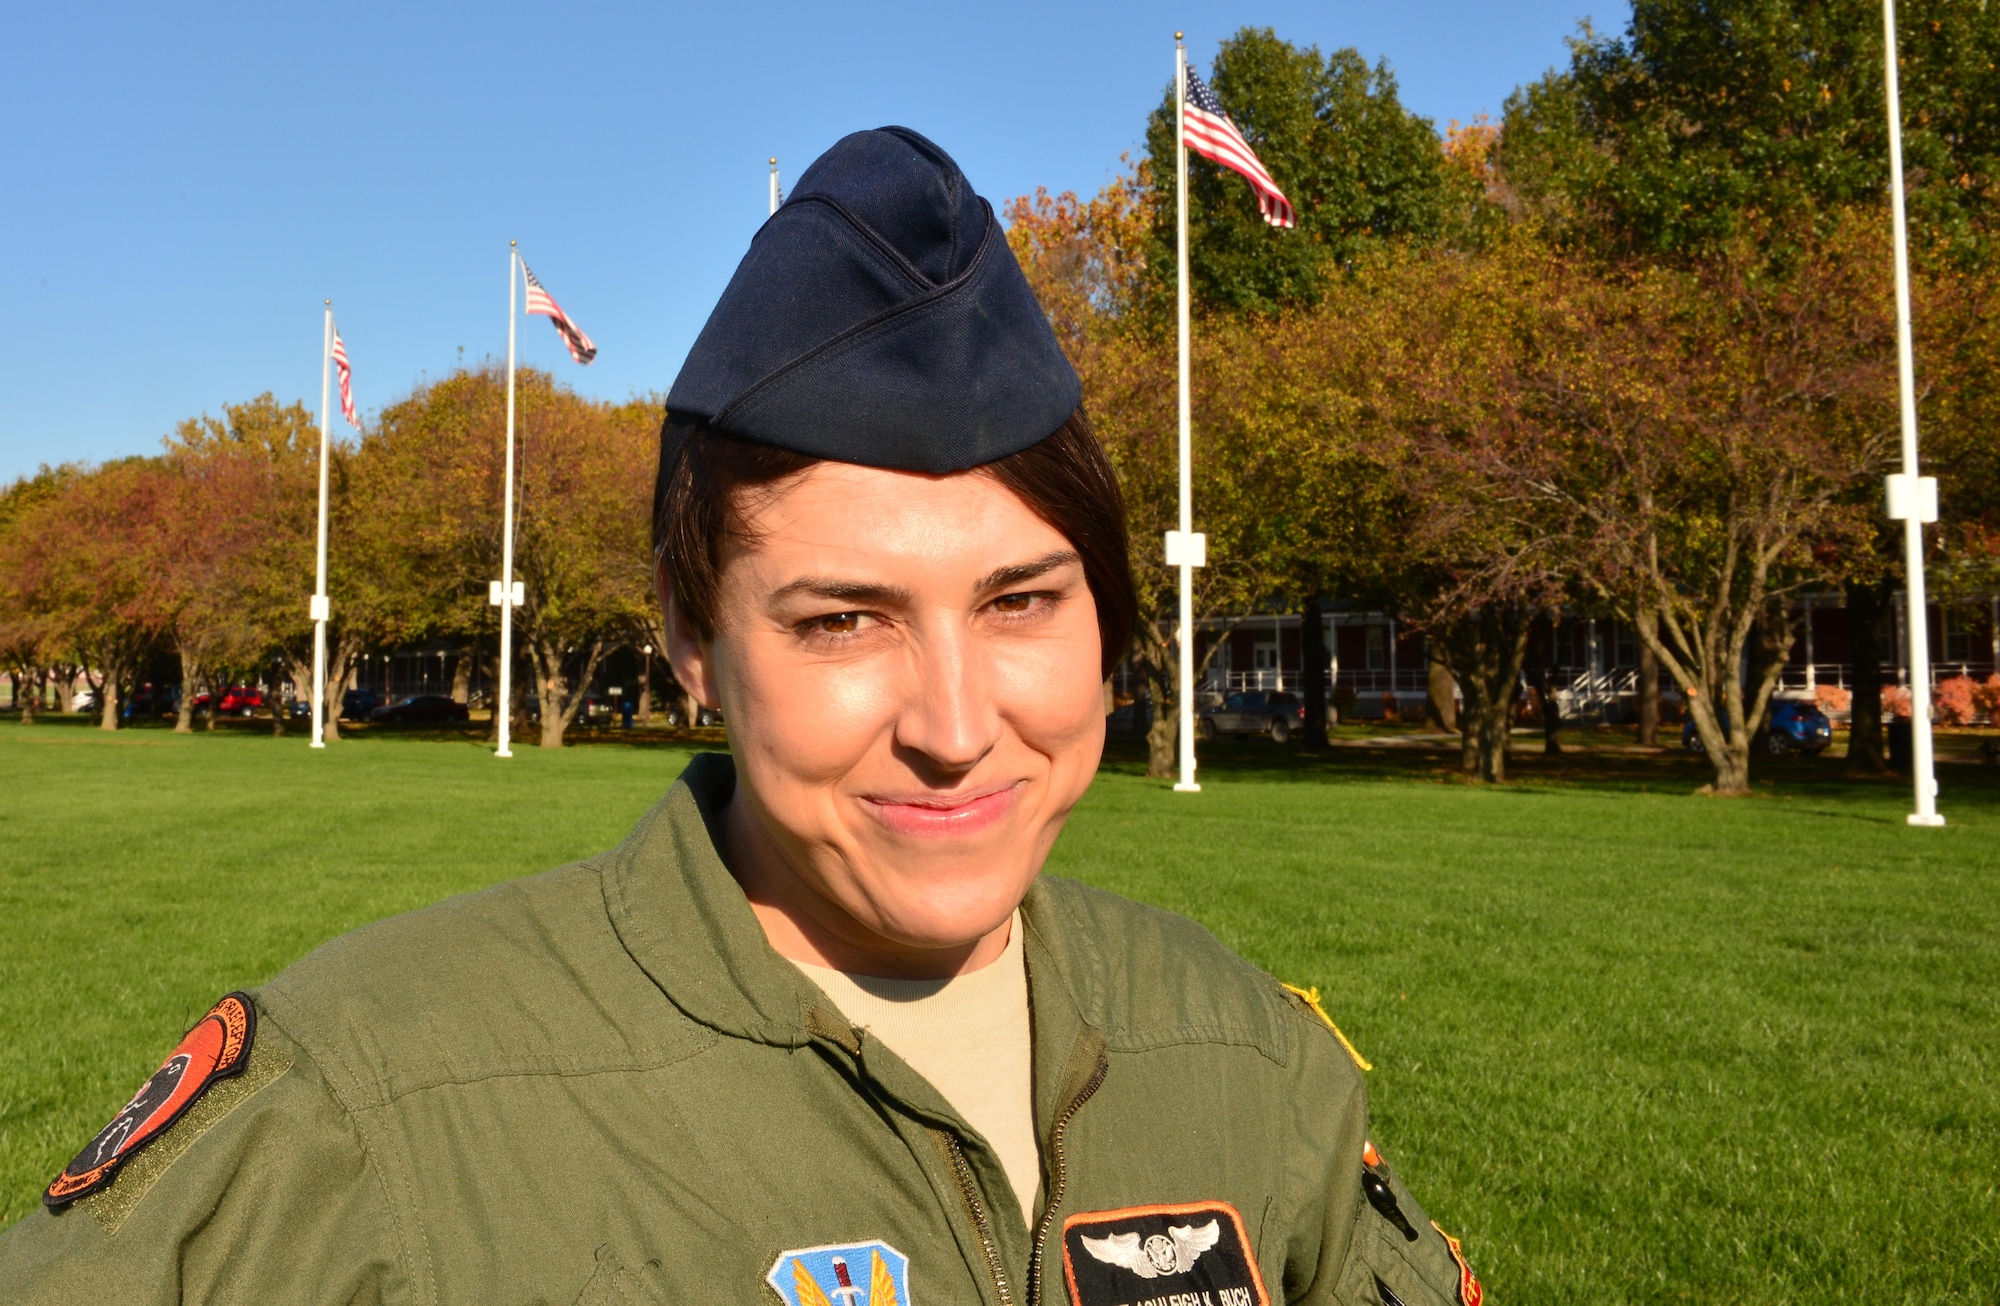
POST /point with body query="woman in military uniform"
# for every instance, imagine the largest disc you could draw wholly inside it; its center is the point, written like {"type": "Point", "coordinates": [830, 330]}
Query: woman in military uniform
{"type": "Point", "coordinates": [819, 1030]}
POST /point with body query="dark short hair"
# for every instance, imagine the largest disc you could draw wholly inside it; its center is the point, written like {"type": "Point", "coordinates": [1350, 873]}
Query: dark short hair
{"type": "Point", "coordinates": [707, 493]}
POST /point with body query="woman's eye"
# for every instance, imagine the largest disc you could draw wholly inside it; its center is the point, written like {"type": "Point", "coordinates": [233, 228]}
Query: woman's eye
{"type": "Point", "coordinates": [1020, 605]}
{"type": "Point", "coordinates": [837, 623]}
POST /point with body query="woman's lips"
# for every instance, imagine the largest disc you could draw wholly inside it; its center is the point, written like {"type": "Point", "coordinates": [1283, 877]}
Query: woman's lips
{"type": "Point", "coordinates": [941, 816]}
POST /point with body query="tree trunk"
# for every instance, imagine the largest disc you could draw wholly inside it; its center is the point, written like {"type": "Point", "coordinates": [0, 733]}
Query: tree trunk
{"type": "Point", "coordinates": [461, 675]}
{"type": "Point", "coordinates": [1552, 720]}
{"type": "Point", "coordinates": [275, 700]}
{"type": "Point", "coordinates": [1727, 721]}
{"type": "Point", "coordinates": [107, 700]}
{"type": "Point", "coordinates": [1649, 681]}
{"type": "Point", "coordinates": [30, 702]}
{"type": "Point", "coordinates": [1312, 673]}
{"type": "Point", "coordinates": [1441, 691]}
{"type": "Point", "coordinates": [190, 677]}
{"type": "Point", "coordinates": [559, 700]}
{"type": "Point", "coordinates": [1156, 668]}
{"type": "Point", "coordinates": [646, 688]}
{"type": "Point", "coordinates": [1867, 605]}
{"type": "Point", "coordinates": [1484, 652]}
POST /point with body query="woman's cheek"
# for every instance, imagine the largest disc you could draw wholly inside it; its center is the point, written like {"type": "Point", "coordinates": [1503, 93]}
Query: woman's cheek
{"type": "Point", "coordinates": [1053, 693]}
{"type": "Point", "coordinates": [821, 716]}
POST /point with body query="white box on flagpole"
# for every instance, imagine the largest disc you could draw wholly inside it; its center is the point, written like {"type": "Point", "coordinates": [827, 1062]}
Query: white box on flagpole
{"type": "Point", "coordinates": [1187, 549]}
{"type": "Point", "coordinates": [1913, 496]}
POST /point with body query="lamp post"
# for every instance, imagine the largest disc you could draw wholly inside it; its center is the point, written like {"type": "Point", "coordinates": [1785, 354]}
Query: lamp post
{"type": "Point", "coordinates": [1912, 497]}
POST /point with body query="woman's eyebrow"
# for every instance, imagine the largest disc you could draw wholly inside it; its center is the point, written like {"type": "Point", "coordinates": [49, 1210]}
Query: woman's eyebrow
{"type": "Point", "coordinates": [1026, 571]}
{"type": "Point", "coordinates": [844, 591]}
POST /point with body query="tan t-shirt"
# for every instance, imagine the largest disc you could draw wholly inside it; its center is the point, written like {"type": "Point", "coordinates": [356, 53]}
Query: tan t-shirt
{"type": "Point", "coordinates": [969, 1037]}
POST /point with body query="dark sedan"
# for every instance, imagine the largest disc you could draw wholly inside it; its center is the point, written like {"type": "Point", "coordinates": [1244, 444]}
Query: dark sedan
{"type": "Point", "coordinates": [1255, 712]}
{"type": "Point", "coordinates": [428, 709]}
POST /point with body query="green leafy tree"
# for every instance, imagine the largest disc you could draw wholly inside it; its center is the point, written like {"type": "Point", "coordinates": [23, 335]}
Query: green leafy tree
{"type": "Point", "coordinates": [1357, 166]}
{"type": "Point", "coordinates": [1709, 120]}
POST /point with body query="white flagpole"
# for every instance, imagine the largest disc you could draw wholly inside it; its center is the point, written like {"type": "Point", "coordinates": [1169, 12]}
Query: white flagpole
{"type": "Point", "coordinates": [777, 195]}
{"type": "Point", "coordinates": [1912, 498]}
{"type": "Point", "coordinates": [1185, 549]}
{"type": "Point", "coordinates": [505, 595]}
{"type": "Point", "coordinates": [319, 604]}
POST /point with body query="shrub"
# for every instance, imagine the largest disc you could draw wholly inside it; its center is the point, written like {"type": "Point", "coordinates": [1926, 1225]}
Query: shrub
{"type": "Point", "coordinates": [1390, 712]}
{"type": "Point", "coordinates": [1953, 701]}
{"type": "Point", "coordinates": [1896, 701]}
{"type": "Point", "coordinates": [1986, 698]}
{"type": "Point", "coordinates": [1833, 699]}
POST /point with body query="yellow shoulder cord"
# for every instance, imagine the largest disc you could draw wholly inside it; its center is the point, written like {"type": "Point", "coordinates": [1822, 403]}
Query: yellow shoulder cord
{"type": "Point", "coordinates": [1311, 998]}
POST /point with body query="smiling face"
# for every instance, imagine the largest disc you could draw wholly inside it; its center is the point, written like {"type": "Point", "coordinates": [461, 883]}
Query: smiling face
{"type": "Point", "coordinates": [909, 668]}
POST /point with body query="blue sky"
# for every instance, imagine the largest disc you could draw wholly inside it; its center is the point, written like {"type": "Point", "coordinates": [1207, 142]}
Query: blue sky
{"type": "Point", "coordinates": [185, 184]}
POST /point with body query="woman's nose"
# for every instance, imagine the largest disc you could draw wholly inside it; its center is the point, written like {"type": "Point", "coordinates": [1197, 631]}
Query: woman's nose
{"type": "Point", "coordinates": [948, 715]}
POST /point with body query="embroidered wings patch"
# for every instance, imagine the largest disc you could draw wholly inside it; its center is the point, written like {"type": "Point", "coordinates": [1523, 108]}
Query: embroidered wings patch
{"type": "Point", "coordinates": [216, 1048]}
{"type": "Point", "coordinates": [842, 1274]}
{"type": "Point", "coordinates": [1141, 1254]}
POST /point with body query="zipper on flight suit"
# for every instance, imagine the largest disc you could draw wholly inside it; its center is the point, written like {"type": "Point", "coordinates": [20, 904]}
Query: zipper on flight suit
{"type": "Point", "coordinates": [1058, 1174]}
{"type": "Point", "coordinates": [968, 1188]}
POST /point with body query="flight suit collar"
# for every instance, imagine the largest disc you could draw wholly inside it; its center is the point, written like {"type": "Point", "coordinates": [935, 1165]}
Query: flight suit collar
{"type": "Point", "coordinates": [685, 921]}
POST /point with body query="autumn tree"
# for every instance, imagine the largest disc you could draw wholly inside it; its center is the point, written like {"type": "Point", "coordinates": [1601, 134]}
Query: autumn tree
{"type": "Point", "coordinates": [28, 627]}
{"type": "Point", "coordinates": [234, 552]}
{"type": "Point", "coordinates": [426, 515]}
{"type": "Point", "coordinates": [1718, 425]}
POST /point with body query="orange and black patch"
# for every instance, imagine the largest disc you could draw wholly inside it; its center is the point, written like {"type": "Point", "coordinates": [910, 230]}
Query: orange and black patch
{"type": "Point", "coordinates": [216, 1048]}
{"type": "Point", "coordinates": [1197, 1252]}
{"type": "Point", "coordinates": [1469, 1291]}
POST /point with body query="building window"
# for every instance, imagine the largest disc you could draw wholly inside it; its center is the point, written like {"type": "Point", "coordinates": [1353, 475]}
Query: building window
{"type": "Point", "coordinates": [1957, 635]}
{"type": "Point", "coordinates": [1266, 657]}
{"type": "Point", "coordinates": [1378, 648]}
{"type": "Point", "coordinates": [1625, 642]}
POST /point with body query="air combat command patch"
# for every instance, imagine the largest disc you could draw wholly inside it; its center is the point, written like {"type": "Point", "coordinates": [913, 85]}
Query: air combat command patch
{"type": "Point", "coordinates": [833, 1275]}
{"type": "Point", "coordinates": [1189, 1255]}
{"type": "Point", "coordinates": [216, 1048]}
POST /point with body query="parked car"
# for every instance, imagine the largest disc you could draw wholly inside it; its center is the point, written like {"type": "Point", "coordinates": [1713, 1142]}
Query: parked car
{"type": "Point", "coordinates": [357, 704]}
{"type": "Point", "coordinates": [1797, 727]}
{"type": "Point", "coordinates": [1794, 727]}
{"type": "Point", "coordinates": [426, 708]}
{"type": "Point", "coordinates": [301, 709]}
{"type": "Point", "coordinates": [1276, 713]}
{"type": "Point", "coordinates": [240, 700]}
{"type": "Point", "coordinates": [151, 701]}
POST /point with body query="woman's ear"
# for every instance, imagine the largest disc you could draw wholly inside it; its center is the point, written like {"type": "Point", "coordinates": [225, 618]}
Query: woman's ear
{"type": "Point", "coordinates": [691, 657]}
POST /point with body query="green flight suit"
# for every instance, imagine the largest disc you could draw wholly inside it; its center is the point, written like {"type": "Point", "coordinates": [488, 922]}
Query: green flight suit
{"type": "Point", "coordinates": [602, 1085]}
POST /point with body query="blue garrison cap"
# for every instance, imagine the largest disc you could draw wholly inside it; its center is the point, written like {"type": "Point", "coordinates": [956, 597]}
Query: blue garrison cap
{"type": "Point", "coordinates": [879, 318]}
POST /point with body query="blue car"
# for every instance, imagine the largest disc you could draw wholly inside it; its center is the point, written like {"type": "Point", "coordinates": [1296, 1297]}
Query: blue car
{"type": "Point", "coordinates": [1794, 727]}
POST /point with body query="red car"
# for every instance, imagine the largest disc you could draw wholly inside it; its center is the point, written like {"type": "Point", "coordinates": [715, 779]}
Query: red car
{"type": "Point", "coordinates": [240, 700]}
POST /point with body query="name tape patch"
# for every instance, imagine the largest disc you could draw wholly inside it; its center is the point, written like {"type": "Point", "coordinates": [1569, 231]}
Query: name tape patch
{"type": "Point", "coordinates": [1188, 1255]}
{"type": "Point", "coordinates": [216, 1048]}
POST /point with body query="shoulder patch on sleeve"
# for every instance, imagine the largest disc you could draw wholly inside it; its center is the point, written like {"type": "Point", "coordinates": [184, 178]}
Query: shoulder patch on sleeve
{"type": "Point", "coordinates": [1469, 1291]}
{"type": "Point", "coordinates": [1309, 1000]}
{"type": "Point", "coordinates": [216, 1048]}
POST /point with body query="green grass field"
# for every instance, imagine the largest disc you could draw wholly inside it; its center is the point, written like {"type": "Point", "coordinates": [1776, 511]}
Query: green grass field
{"type": "Point", "coordinates": [1631, 1045]}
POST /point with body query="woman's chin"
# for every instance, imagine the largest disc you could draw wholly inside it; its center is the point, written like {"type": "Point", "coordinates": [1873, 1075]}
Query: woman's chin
{"type": "Point", "coordinates": [940, 922]}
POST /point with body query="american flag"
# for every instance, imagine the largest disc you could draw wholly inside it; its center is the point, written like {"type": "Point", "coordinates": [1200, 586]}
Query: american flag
{"type": "Point", "coordinates": [579, 344]}
{"type": "Point", "coordinates": [1213, 136]}
{"type": "Point", "coordinates": [346, 380]}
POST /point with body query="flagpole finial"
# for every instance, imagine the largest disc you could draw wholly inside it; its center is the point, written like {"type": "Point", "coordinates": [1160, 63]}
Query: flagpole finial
{"type": "Point", "coordinates": [513, 244]}
{"type": "Point", "coordinates": [1177, 36]}
{"type": "Point", "coordinates": [774, 160]}
{"type": "Point", "coordinates": [329, 303]}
